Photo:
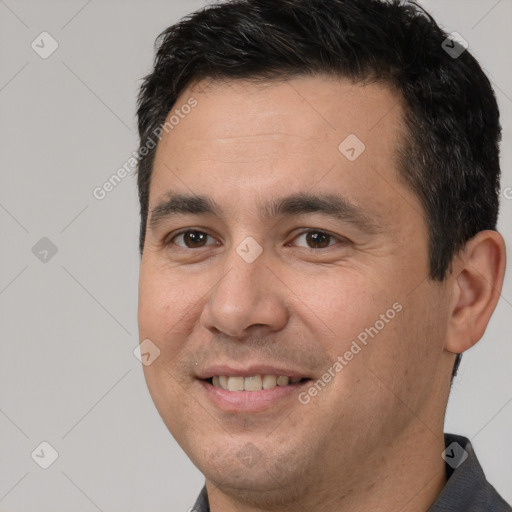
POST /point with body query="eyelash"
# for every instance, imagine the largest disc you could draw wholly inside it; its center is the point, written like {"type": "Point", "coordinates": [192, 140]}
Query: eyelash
{"type": "Point", "coordinates": [170, 240]}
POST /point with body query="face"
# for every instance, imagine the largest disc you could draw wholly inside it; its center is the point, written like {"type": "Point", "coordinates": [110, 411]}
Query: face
{"type": "Point", "coordinates": [285, 260]}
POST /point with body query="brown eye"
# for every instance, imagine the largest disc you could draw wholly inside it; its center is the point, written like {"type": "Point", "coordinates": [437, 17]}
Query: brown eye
{"type": "Point", "coordinates": [315, 240]}
{"type": "Point", "coordinates": [191, 239]}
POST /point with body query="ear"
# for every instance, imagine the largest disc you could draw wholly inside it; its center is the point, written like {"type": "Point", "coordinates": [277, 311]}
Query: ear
{"type": "Point", "coordinates": [477, 274]}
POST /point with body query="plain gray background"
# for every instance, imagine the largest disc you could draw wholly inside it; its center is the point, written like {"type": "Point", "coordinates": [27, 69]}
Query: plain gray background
{"type": "Point", "coordinates": [68, 375]}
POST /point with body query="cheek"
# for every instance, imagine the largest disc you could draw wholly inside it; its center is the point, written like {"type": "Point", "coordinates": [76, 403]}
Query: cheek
{"type": "Point", "coordinates": [342, 304]}
{"type": "Point", "coordinates": [403, 359]}
{"type": "Point", "coordinates": [162, 313]}
{"type": "Point", "coordinates": [365, 326]}
{"type": "Point", "coordinates": [163, 303]}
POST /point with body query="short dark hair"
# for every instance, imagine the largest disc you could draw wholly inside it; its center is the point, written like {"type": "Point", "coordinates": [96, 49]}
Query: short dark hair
{"type": "Point", "coordinates": [449, 155]}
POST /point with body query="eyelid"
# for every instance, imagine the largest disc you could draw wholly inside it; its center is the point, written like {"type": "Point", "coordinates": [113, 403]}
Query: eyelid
{"type": "Point", "coordinates": [169, 239]}
{"type": "Point", "coordinates": [304, 231]}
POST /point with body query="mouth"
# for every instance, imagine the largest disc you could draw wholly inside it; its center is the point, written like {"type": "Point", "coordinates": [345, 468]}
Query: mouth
{"type": "Point", "coordinates": [253, 383]}
{"type": "Point", "coordinates": [253, 390]}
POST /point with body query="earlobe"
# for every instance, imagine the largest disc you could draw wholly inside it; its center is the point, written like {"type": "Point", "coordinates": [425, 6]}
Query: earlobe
{"type": "Point", "coordinates": [478, 278]}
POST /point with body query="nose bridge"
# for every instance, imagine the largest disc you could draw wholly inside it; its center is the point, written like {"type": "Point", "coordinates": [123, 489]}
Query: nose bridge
{"type": "Point", "coordinates": [244, 297]}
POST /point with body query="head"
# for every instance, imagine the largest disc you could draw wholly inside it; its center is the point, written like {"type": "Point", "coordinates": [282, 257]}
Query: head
{"type": "Point", "coordinates": [349, 117]}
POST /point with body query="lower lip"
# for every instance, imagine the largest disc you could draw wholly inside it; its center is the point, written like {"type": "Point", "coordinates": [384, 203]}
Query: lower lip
{"type": "Point", "coordinates": [251, 401]}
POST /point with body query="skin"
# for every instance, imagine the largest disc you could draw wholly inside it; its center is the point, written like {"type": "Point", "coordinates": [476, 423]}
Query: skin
{"type": "Point", "coordinates": [372, 438]}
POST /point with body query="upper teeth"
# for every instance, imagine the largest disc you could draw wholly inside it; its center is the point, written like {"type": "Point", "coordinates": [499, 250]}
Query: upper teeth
{"type": "Point", "coordinates": [254, 383]}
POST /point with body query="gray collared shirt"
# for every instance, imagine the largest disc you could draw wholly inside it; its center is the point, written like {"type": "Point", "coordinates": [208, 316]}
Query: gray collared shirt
{"type": "Point", "coordinates": [466, 489]}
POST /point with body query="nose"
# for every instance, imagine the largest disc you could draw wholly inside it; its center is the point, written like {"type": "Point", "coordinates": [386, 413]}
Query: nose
{"type": "Point", "coordinates": [248, 297]}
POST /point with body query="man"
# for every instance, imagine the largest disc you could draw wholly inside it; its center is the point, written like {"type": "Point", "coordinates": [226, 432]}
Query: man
{"type": "Point", "coordinates": [319, 193]}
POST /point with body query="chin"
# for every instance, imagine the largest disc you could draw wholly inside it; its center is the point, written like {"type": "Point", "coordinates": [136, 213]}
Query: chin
{"type": "Point", "coordinates": [242, 470]}
{"type": "Point", "coordinates": [259, 486]}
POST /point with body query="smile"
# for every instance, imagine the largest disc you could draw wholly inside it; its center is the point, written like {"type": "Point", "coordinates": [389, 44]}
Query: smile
{"type": "Point", "coordinates": [252, 383]}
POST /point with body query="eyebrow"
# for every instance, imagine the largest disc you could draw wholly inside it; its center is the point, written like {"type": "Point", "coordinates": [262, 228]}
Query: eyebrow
{"type": "Point", "coordinates": [331, 205]}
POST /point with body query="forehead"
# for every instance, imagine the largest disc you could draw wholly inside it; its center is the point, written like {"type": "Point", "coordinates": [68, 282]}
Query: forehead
{"type": "Point", "coordinates": [244, 139]}
{"type": "Point", "coordinates": [307, 108]}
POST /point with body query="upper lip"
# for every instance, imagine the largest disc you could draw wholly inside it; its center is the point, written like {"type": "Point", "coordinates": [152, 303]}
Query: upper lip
{"type": "Point", "coordinates": [250, 371]}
